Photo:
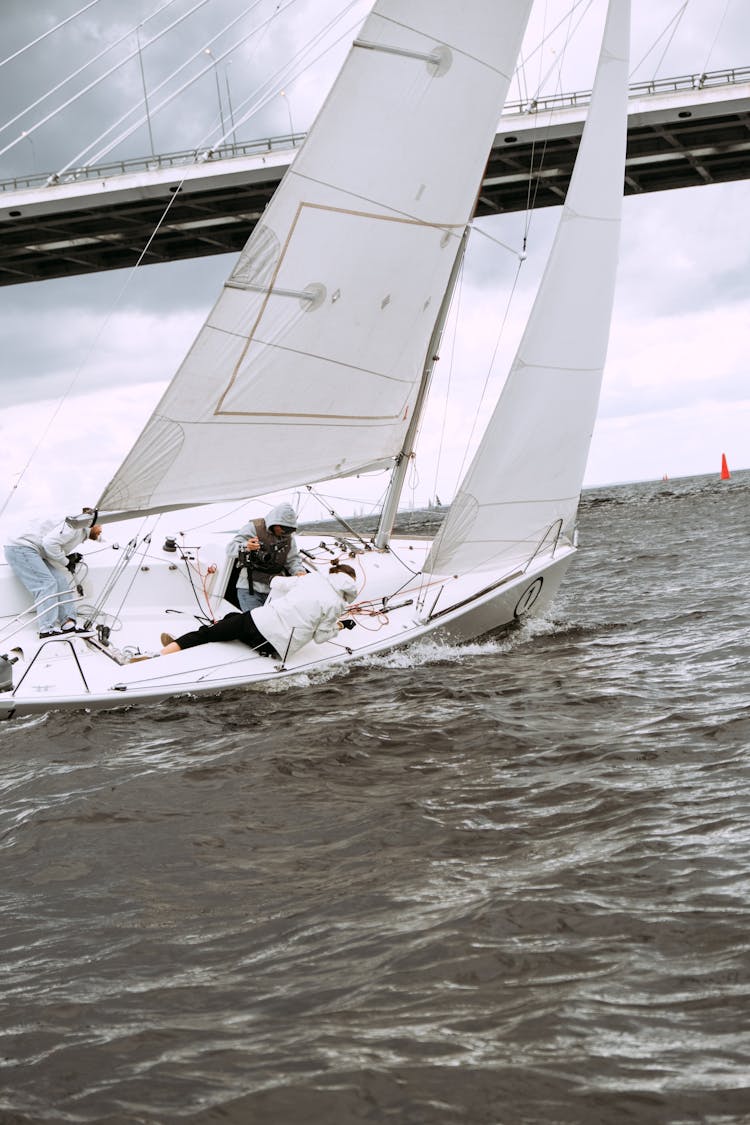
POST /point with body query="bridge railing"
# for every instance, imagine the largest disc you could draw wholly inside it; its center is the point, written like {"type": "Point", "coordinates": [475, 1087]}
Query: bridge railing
{"type": "Point", "coordinates": [228, 150]}
{"type": "Point", "coordinates": [731, 77]}
{"type": "Point", "coordinates": [155, 163]}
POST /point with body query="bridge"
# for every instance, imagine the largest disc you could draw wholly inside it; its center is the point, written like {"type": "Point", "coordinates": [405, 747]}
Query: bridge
{"type": "Point", "coordinates": [682, 132]}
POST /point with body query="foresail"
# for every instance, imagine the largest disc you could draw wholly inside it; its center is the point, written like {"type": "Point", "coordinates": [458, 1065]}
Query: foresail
{"type": "Point", "coordinates": [524, 483]}
{"type": "Point", "coordinates": [307, 367]}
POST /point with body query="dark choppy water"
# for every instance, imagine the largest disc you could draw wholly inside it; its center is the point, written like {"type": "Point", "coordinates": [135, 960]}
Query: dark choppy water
{"type": "Point", "coordinates": [508, 884]}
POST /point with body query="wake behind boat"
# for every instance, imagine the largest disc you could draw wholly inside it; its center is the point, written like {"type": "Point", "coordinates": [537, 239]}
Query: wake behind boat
{"type": "Point", "coordinates": [322, 344]}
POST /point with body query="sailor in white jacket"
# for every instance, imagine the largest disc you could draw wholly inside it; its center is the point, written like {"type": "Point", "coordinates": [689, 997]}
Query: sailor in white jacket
{"type": "Point", "coordinates": [304, 609]}
{"type": "Point", "coordinates": [299, 610]}
{"type": "Point", "coordinates": [39, 559]}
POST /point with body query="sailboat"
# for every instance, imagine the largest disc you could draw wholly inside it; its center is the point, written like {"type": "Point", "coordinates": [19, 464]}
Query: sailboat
{"type": "Point", "coordinates": [725, 474]}
{"type": "Point", "coordinates": [316, 361]}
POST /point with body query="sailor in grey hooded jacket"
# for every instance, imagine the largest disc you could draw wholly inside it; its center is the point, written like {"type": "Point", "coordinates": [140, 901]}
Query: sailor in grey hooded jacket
{"type": "Point", "coordinates": [284, 517]}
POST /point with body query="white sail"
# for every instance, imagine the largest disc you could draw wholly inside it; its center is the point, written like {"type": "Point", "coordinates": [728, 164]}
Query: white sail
{"type": "Point", "coordinates": [306, 369]}
{"type": "Point", "coordinates": [525, 480]}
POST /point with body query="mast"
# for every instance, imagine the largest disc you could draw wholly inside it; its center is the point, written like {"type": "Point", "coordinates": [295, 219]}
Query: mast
{"type": "Point", "coordinates": [398, 477]}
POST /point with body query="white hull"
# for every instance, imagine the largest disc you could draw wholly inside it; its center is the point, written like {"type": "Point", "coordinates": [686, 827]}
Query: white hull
{"type": "Point", "coordinates": [396, 607]}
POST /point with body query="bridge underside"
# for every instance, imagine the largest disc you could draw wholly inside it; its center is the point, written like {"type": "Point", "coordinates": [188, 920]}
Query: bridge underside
{"type": "Point", "coordinates": [103, 220]}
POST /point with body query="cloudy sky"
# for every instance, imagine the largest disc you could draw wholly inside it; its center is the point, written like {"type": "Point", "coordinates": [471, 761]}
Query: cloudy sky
{"type": "Point", "coordinates": [85, 359]}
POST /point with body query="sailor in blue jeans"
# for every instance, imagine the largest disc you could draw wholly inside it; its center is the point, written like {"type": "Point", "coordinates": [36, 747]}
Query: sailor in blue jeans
{"type": "Point", "coordinates": [39, 559]}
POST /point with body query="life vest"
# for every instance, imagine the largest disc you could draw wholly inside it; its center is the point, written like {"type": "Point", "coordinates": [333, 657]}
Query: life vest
{"type": "Point", "coordinates": [271, 556]}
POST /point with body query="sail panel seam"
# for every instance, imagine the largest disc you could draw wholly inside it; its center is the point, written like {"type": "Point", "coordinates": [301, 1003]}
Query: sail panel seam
{"type": "Point", "coordinates": [391, 214]}
{"type": "Point", "coordinates": [528, 501]}
{"type": "Point", "coordinates": [328, 359]}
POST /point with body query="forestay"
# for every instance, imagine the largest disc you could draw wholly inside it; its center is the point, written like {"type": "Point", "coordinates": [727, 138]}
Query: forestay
{"type": "Point", "coordinates": [525, 480]}
{"type": "Point", "coordinates": [307, 368]}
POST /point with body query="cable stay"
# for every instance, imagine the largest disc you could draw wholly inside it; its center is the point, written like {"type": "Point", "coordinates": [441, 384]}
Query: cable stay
{"type": "Point", "coordinates": [93, 84]}
{"type": "Point", "coordinates": [46, 34]}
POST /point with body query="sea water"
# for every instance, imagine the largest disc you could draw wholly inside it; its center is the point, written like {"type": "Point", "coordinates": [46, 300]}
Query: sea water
{"type": "Point", "coordinates": [505, 883]}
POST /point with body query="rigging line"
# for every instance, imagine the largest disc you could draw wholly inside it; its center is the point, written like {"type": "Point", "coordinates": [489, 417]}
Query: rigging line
{"type": "Point", "coordinates": [530, 183]}
{"type": "Point", "coordinates": [497, 241]}
{"type": "Point", "coordinates": [52, 30]}
{"type": "Point", "coordinates": [540, 45]}
{"type": "Point", "coordinates": [91, 85]}
{"type": "Point", "coordinates": [491, 364]}
{"type": "Point", "coordinates": [536, 179]}
{"type": "Point", "coordinates": [285, 75]}
{"type": "Point", "coordinates": [351, 499]}
{"type": "Point", "coordinates": [157, 107]}
{"type": "Point", "coordinates": [441, 441]}
{"type": "Point", "coordinates": [414, 479]}
{"type": "Point", "coordinates": [718, 29]}
{"type": "Point", "coordinates": [336, 516]}
{"type": "Point", "coordinates": [558, 63]}
{"type": "Point", "coordinates": [114, 576]}
{"type": "Point", "coordinates": [146, 543]}
{"type": "Point", "coordinates": [215, 519]}
{"type": "Point", "coordinates": [226, 516]}
{"type": "Point", "coordinates": [186, 560]}
{"type": "Point", "coordinates": [676, 18]}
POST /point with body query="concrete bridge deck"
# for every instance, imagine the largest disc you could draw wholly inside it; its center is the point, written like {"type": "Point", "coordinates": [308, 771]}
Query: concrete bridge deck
{"type": "Point", "coordinates": [682, 132]}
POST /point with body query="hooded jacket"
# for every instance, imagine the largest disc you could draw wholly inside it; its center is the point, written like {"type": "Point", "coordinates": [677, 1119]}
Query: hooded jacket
{"type": "Point", "coordinates": [55, 540]}
{"type": "Point", "coordinates": [304, 609]}
{"type": "Point", "coordinates": [284, 515]}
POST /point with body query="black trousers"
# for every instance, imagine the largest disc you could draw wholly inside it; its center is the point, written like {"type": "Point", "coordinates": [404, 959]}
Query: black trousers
{"type": "Point", "coordinates": [233, 627]}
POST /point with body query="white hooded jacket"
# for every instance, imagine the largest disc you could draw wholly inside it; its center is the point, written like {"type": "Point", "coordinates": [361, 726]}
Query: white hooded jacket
{"type": "Point", "coordinates": [303, 609]}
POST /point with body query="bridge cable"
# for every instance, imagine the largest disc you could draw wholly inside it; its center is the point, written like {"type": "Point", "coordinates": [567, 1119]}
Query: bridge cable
{"type": "Point", "coordinates": [718, 29]}
{"type": "Point", "coordinates": [676, 18]}
{"type": "Point", "coordinates": [535, 178]}
{"type": "Point", "coordinates": [262, 97]}
{"type": "Point", "coordinates": [286, 75]}
{"type": "Point", "coordinates": [51, 31]}
{"type": "Point", "coordinates": [102, 152]}
{"type": "Point", "coordinates": [95, 82]}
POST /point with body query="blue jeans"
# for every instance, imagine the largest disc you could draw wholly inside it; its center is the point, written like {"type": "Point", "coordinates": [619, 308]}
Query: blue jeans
{"type": "Point", "coordinates": [250, 601]}
{"type": "Point", "coordinates": [43, 581]}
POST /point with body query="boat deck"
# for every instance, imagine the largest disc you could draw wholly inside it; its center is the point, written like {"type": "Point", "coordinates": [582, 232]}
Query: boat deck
{"type": "Point", "coordinates": [159, 591]}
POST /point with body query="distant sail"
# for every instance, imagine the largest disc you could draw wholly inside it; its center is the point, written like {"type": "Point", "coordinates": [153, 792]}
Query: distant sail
{"type": "Point", "coordinates": [725, 474]}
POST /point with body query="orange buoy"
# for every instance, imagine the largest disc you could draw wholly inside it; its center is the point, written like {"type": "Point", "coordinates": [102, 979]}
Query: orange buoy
{"type": "Point", "coordinates": [725, 475]}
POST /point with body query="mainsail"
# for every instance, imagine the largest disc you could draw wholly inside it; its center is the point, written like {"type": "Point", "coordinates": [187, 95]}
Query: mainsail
{"type": "Point", "coordinates": [525, 480]}
{"type": "Point", "coordinates": [307, 367]}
